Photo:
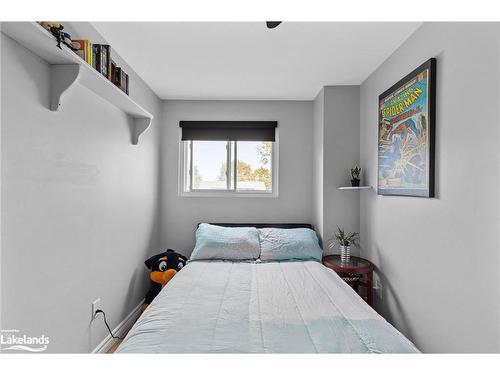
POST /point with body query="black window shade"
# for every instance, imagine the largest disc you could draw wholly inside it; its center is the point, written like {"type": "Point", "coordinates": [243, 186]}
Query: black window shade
{"type": "Point", "coordinates": [228, 130]}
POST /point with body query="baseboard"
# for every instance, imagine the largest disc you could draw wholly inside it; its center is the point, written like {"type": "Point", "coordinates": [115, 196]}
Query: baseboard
{"type": "Point", "coordinates": [121, 328]}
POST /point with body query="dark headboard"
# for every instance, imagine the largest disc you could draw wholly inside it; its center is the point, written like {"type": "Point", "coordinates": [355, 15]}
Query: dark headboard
{"type": "Point", "coordinates": [262, 225]}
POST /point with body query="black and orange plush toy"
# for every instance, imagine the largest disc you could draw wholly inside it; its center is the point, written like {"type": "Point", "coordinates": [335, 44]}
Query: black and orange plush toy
{"type": "Point", "coordinates": [163, 267]}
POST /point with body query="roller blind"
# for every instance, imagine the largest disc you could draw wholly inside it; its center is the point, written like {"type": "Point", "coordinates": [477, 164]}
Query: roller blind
{"type": "Point", "coordinates": [228, 130]}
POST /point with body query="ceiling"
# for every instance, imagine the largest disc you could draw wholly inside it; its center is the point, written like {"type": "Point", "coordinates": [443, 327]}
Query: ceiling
{"type": "Point", "coordinates": [245, 60]}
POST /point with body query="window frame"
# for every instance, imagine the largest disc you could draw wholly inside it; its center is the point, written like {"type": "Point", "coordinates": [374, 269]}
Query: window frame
{"type": "Point", "coordinates": [185, 172]}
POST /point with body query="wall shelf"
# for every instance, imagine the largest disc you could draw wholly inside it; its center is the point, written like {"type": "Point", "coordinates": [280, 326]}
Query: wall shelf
{"type": "Point", "coordinates": [68, 69]}
{"type": "Point", "coordinates": [354, 187]}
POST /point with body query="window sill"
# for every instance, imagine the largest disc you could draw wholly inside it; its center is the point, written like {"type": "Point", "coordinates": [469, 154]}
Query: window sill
{"type": "Point", "coordinates": [226, 194]}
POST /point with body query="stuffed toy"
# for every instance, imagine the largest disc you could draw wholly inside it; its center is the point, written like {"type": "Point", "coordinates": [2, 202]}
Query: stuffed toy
{"type": "Point", "coordinates": [163, 267]}
{"type": "Point", "coordinates": [56, 29]}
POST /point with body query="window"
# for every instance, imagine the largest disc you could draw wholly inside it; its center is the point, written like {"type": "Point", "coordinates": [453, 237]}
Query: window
{"type": "Point", "coordinates": [236, 167]}
{"type": "Point", "coordinates": [228, 158]}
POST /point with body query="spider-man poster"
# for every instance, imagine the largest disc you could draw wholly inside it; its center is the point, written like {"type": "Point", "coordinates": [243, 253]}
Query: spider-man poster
{"type": "Point", "coordinates": [406, 135]}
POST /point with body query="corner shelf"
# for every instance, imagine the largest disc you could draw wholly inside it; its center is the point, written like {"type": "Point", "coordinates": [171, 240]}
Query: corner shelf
{"type": "Point", "coordinates": [354, 187]}
{"type": "Point", "coordinates": [67, 69]}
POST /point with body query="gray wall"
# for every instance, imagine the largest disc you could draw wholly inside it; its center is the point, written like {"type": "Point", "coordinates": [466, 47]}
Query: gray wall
{"type": "Point", "coordinates": [79, 205]}
{"type": "Point", "coordinates": [294, 204]}
{"type": "Point", "coordinates": [336, 150]}
{"type": "Point", "coordinates": [318, 158]}
{"type": "Point", "coordinates": [438, 259]}
{"type": "Point", "coordinates": [341, 153]}
{"type": "Point", "coordinates": [1, 208]}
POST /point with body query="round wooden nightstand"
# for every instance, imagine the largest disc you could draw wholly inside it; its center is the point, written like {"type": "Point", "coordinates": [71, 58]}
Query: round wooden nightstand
{"type": "Point", "coordinates": [356, 272]}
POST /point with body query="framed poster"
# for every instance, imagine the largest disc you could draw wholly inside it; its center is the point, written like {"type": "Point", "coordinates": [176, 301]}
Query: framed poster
{"type": "Point", "coordinates": [406, 127]}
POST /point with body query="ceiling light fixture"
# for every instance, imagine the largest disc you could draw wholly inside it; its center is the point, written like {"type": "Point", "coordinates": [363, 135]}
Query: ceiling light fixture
{"type": "Point", "coordinates": [272, 24]}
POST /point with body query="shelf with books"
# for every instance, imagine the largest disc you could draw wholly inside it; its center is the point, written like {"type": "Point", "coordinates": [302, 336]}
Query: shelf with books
{"type": "Point", "coordinates": [68, 69]}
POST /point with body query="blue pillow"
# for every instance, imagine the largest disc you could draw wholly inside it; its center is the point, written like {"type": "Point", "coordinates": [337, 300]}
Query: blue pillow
{"type": "Point", "coordinates": [287, 244]}
{"type": "Point", "coordinates": [236, 243]}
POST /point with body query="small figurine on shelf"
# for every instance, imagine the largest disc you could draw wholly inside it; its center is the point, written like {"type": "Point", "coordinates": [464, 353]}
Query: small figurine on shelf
{"type": "Point", "coordinates": [56, 29]}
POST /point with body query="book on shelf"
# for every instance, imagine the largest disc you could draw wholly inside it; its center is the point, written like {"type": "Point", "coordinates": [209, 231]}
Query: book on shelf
{"type": "Point", "coordinates": [89, 53]}
{"type": "Point", "coordinates": [96, 56]}
{"type": "Point", "coordinates": [105, 60]}
{"type": "Point", "coordinates": [112, 72]}
{"type": "Point", "coordinates": [120, 78]}
{"type": "Point", "coordinates": [123, 81]}
{"type": "Point", "coordinates": [116, 75]}
{"type": "Point", "coordinates": [99, 57]}
{"type": "Point", "coordinates": [83, 51]}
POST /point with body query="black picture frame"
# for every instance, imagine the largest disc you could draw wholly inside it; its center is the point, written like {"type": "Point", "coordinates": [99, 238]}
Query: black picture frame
{"type": "Point", "coordinates": [406, 134]}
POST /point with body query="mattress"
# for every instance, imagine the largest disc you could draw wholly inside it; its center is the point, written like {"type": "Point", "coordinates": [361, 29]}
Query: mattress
{"type": "Point", "coordinates": [257, 307]}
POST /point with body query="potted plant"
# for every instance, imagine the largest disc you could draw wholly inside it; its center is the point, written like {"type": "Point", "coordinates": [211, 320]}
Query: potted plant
{"type": "Point", "coordinates": [345, 240]}
{"type": "Point", "coordinates": [355, 173]}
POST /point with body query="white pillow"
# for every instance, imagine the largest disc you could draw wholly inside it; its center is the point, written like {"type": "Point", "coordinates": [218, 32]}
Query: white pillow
{"type": "Point", "coordinates": [233, 243]}
{"type": "Point", "coordinates": [287, 244]}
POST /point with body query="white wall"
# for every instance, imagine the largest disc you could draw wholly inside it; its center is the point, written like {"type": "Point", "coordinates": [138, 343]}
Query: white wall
{"type": "Point", "coordinates": [294, 204]}
{"type": "Point", "coordinates": [439, 258]}
{"type": "Point", "coordinates": [79, 205]}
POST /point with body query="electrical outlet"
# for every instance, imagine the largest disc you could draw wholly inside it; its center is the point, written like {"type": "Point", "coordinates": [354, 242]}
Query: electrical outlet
{"type": "Point", "coordinates": [96, 305]}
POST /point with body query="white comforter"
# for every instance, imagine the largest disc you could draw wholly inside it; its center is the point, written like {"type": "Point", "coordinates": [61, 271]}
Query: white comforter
{"type": "Point", "coordinates": [277, 307]}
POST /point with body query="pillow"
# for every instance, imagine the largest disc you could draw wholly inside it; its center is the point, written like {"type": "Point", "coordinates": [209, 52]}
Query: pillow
{"type": "Point", "coordinates": [215, 242]}
{"type": "Point", "coordinates": [285, 244]}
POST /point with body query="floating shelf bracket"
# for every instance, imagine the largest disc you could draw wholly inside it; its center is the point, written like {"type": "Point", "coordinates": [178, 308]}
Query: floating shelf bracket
{"type": "Point", "coordinates": [63, 78]}
{"type": "Point", "coordinates": [139, 127]}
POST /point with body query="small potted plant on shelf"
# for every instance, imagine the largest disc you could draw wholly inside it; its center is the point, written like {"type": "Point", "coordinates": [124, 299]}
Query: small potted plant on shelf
{"type": "Point", "coordinates": [355, 173]}
{"type": "Point", "coordinates": [345, 240]}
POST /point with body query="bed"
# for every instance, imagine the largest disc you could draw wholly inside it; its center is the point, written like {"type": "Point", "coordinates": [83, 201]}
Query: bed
{"type": "Point", "coordinates": [220, 306]}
